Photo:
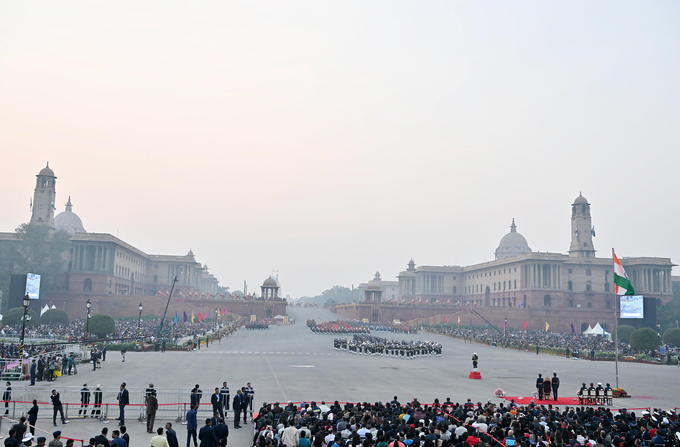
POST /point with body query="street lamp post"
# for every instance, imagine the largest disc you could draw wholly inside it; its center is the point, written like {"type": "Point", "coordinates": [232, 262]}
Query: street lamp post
{"type": "Point", "coordinates": [26, 303]}
{"type": "Point", "coordinates": [505, 327]}
{"type": "Point", "coordinates": [658, 331]}
{"type": "Point", "coordinates": [676, 323]}
{"type": "Point", "coordinates": [87, 323]}
{"type": "Point", "coordinates": [139, 324]}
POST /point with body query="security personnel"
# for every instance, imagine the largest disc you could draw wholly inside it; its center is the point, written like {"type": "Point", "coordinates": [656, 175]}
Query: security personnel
{"type": "Point", "coordinates": [84, 400]}
{"type": "Point", "coordinates": [98, 399]}
{"type": "Point", "coordinates": [217, 406]}
{"type": "Point", "coordinates": [251, 396]}
{"type": "Point", "coordinates": [555, 385]}
{"type": "Point", "coordinates": [539, 386]}
{"type": "Point", "coordinates": [475, 359]}
{"type": "Point", "coordinates": [224, 395]}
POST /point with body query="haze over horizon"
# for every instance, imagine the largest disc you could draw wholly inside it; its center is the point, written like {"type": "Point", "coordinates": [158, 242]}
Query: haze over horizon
{"type": "Point", "coordinates": [328, 141]}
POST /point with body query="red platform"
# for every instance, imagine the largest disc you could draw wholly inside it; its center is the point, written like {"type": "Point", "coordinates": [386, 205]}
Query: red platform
{"type": "Point", "coordinates": [475, 375]}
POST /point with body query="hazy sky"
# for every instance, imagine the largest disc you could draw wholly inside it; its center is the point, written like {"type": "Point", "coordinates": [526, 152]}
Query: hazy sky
{"type": "Point", "coordinates": [328, 140]}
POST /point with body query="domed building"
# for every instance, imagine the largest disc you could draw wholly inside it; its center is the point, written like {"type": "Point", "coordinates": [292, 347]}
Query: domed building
{"type": "Point", "coordinates": [512, 244]}
{"type": "Point", "coordinates": [68, 220]}
{"type": "Point", "coordinates": [270, 288]}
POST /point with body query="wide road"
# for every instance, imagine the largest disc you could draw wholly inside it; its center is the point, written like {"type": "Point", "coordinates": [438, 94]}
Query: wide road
{"type": "Point", "coordinates": [291, 363]}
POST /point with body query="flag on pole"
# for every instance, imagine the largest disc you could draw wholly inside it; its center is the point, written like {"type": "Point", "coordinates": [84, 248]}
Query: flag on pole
{"type": "Point", "coordinates": [226, 311]}
{"type": "Point", "coordinates": [176, 317]}
{"type": "Point", "coordinates": [200, 317]}
{"type": "Point", "coordinates": [525, 326]}
{"type": "Point", "coordinates": [622, 285]}
{"type": "Point", "coordinates": [192, 316]}
{"type": "Point", "coordinates": [547, 326]}
{"type": "Point", "coordinates": [184, 319]}
{"type": "Point", "coordinates": [572, 328]}
{"type": "Point", "coordinates": [458, 319]}
{"type": "Point", "coordinates": [486, 323]}
{"type": "Point", "coordinates": [604, 330]}
{"type": "Point", "coordinates": [504, 323]}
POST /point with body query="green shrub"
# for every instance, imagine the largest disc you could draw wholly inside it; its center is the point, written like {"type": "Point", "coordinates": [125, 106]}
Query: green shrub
{"type": "Point", "coordinates": [624, 333]}
{"type": "Point", "coordinates": [644, 338]}
{"type": "Point", "coordinates": [672, 337]}
{"type": "Point", "coordinates": [54, 316]}
{"type": "Point", "coordinates": [14, 317]}
{"type": "Point", "coordinates": [100, 325]}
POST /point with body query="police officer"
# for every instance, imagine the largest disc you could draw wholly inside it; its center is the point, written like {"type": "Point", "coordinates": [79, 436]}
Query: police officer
{"type": "Point", "coordinates": [555, 385]}
{"type": "Point", "coordinates": [84, 400]}
{"type": "Point", "coordinates": [475, 359]}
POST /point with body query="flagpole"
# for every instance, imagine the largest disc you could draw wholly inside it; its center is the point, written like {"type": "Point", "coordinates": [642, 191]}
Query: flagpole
{"type": "Point", "coordinates": [616, 325]}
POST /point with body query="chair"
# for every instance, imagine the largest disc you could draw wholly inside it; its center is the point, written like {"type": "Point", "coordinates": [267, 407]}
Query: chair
{"type": "Point", "coordinates": [591, 397]}
{"type": "Point", "coordinates": [608, 397]}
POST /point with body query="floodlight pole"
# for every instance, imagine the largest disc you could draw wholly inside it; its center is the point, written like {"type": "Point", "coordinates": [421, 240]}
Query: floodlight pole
{"type": "Point", "coordinates": [160, 328]}
{"type": "Point", "coordinates": [26, 303]}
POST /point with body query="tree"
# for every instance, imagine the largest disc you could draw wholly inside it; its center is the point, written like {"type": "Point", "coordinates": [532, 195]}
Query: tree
{"type": "Point", "coordinates": [672, 337]}
{"type": "Point", "coordinates": [624, 332]}
{"type": "Point", "coordinates": [54, 316]}
{"type": "Point", "coordinates": [13, 317]}
{"type": "Point", "coordinates": [101, 325]}
{"type": "Point", "coordinates": [644, 338]}
{"type": "Point", "coordinates": [584, 327]}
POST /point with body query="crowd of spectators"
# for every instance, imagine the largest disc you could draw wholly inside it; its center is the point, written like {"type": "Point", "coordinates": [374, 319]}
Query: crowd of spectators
{"type": "Point", "coordinates": [449, 424]}
{"type": "Point", "coordinates": [528, 340]}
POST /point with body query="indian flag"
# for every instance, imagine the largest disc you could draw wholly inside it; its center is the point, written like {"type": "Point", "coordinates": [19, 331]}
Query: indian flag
{"type": "Point", "coordinates": [622, 285]}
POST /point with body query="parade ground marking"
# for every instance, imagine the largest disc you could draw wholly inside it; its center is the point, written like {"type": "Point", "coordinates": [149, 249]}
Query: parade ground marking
{"type": "Point", "coordinates": [301, 366]}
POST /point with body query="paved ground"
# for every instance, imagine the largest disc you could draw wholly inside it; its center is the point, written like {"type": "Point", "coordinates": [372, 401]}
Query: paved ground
{"type": "Point", "coordinates": [290, 363]}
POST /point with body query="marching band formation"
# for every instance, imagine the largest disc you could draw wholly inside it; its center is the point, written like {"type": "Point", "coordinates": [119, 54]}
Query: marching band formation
{"type": "Point", "coordinates": [367, 344]}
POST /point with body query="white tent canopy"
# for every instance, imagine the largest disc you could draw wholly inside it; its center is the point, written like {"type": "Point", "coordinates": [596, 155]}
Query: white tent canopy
{"type": "Point", "coordinates": [597, 330]}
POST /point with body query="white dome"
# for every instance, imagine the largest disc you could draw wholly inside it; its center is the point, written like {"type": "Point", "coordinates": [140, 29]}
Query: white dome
{"type": "Point", "coordinates": [69, 221]}
{"type": "Point", "coordinates": [512, 244]}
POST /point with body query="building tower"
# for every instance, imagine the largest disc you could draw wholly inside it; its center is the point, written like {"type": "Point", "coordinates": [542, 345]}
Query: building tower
{"type": "Point", "coordinates": [43, 198]}
{"type": "Point", "coordinates": [581, 230]}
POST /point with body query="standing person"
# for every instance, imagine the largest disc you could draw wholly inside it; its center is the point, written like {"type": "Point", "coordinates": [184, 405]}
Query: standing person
{"type": "Point", "coordinates": [104, 353]}
{"type": "Point", "coordinates": [101, 438]}
{"type": "Point", "coordinates": [7, 396]}
{"type": "Point", "coordinates": [20, 428]}
{"type": "Point", "coordinates": [217, 403]}
{"type": "Point", "coordinates": [237, 409]}
{"type": "Point", "coordinates": [171, 435]}
{"type": "Point", "coordinates": [592, 355]}
{"type": "Point", "coordinates": [33, 371]}
{"type": "Point", "coordinates": [84, 400]}
{"type": "Point", "coordinates": [192, 425]}
{"type": "Point", "coordinates": [33, 416]}
{"type": "Point", "coordinates": [124, 434]}
{"type": "Point", "coordinates": [116, 440]}
{"type": "Point", "coordinates": [41, 368]}
{"type": "Point", "coordinates": [207, 435]}
{"type": "Point", "coordinates": [251, 396]}
{"type": "Point", "coordinates": [222, 433]}
{"type": "Point", "coordinates": [51, 368]}
{"type": "Point", "coordinates": [194, 399]}
{"type": "Point", "coordinates": [555, 385]}
{"type": "Point", "coordinates": [123, 399]}
{"type": "Point", "coordinates": [475, 361]}
{"type": "Point", "coordinates": [159, 440]}
{"type": "Point", "coordinates": [98, 398]}
{"type": "Point", "coordinates": [151, 407]}
{"type": "Point", "coordinates": [57, 407]}
{"type": "Point", "coordinates": [224, 394]}
{"type": "Point", "coordinates": [122, 352]}
{"type": "Point", "coordinates": [290, 436]}
{"type": "Point", "coordinates": [56, 441]}
{"type": "Point", "coordinates": [539, 386]}
{"type": "Point", "coordinates": [199, 394]}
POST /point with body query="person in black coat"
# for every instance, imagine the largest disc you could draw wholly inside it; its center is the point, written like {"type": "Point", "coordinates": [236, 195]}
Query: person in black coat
{"type": "Point", "coordinates": [207, 435]}
{"type": "Point", "coordinates": [217, 403]}
{"type": "Point", "coordinates": [239, 403]}
{"type": "Point", "coordinates": [171, 435]}
{"type": "Point", "coordinates": [101, 438]}
{"type": "Point", "coordinates": [33, 416]}
{"type": "Point", "coordinates": [33, 371]}
{"type": "Point", "coordinates": [539, 386]}
{"type": "Point", "coordinates": [123, 400]}
{"type": "Point", "coordinates": [41, 368]}
{"type": "Point", "coordinates": [222, 433]}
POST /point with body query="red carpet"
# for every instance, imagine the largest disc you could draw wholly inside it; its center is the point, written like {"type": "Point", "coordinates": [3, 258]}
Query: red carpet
{"type": "Point", "coordinates": [561, 401]}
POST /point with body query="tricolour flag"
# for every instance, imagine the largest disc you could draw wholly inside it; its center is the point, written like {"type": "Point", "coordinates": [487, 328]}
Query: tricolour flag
{"type": "Point", "coordinates": [622, 285]}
